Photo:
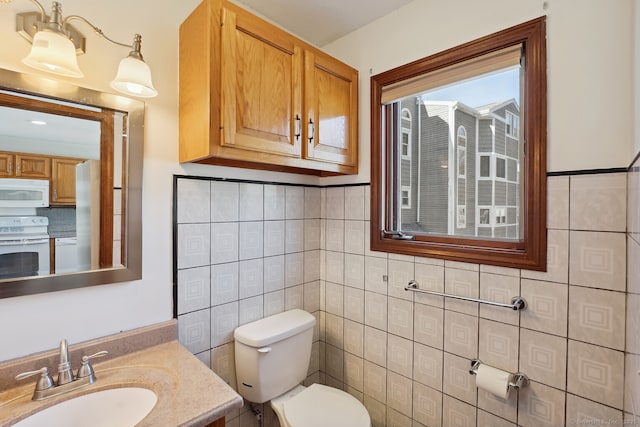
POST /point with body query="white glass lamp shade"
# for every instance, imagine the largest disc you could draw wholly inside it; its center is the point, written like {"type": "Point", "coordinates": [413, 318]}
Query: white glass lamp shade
{"type": "Point", "coordinates": [53, 52]}
{"type": "Point", "coordinates": [134, 78]}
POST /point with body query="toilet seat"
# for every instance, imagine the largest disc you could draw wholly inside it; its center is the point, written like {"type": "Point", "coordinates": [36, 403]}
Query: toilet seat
{"type": "Point", "coordinates": [322, 406]}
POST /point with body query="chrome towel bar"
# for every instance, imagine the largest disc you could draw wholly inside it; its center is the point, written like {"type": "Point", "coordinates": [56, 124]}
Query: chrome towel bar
{"type": "Point", "coordinates": [517, 303]}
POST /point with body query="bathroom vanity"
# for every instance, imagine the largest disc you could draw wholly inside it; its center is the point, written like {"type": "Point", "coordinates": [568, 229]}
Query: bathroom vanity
{"type": "Point", "coordinates": [188, 392]}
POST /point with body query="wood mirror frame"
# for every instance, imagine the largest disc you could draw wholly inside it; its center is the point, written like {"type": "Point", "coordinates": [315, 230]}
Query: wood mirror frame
{"type": "Point", "coordinates": [527, 253]}
{"type": "Point", "coordinates": [132, 181]}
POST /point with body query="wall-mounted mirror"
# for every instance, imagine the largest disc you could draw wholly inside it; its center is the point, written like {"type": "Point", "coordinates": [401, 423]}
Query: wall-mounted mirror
{"type": "Point", "coordinates": [70, 186]}
{"type": "Point", "coordinates": [458, 152]}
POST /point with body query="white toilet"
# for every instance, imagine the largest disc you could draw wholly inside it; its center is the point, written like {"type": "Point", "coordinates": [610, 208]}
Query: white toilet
{"type": "Point", "coordinates": [272, 359]}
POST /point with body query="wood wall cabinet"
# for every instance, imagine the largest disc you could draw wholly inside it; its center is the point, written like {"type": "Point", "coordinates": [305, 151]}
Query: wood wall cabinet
{"type": "Point", "coordinates": [19, 165]}
{"type": "Point", "coordinates": [62, 188]}
{"type": "Point", "coordinates": [253, 95]}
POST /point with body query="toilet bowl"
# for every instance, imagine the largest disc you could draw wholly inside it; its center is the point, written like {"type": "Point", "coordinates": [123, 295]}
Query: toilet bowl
{"type": "Point", "coordinates": [272, 359]}
{"type": "Point", "coordinates": [319, 406]}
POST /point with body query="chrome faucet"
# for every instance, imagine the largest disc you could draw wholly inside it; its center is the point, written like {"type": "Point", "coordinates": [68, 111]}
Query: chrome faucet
{"type": "Point", "coordinates": [45, 387]}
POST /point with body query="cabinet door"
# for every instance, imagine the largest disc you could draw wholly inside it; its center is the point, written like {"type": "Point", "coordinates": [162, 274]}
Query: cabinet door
{"type": "Point", "coordinates": [261, 86]}
{"type": "Point", "coordinates": [63, 181]}
{"type": "Point", "coordinates": [331, 103]}
{"type": "Point", "coordinates": [7, 162]}
{"type": "Point", "coordinates": [28, 166]}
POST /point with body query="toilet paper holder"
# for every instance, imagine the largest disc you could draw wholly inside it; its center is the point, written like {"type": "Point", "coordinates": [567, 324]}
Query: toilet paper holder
{"type": "Point", "coordinates": [519, 379]}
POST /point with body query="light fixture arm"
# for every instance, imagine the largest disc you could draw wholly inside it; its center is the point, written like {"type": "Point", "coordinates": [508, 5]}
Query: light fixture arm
{"type": "Point", "coordinates": [97, 30]}
{"type": "Point", "coordinates": [43, 13]}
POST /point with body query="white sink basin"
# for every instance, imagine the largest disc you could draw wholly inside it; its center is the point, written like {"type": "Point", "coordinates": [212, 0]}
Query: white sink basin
{"type": "Point", "coordinates": [116, 407]}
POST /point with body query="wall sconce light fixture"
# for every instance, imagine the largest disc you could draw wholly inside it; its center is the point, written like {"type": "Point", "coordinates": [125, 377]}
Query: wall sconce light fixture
{"type": "Point", "coordinates": [55, 45]}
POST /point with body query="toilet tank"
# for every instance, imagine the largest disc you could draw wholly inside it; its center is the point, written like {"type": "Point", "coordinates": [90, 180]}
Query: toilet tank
{"type": "Point", "coordinates": [272, 354]}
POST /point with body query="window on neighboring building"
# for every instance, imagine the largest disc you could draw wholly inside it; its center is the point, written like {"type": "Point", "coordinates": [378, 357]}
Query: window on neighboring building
{"type": "Point", "coordinates": [485, 216]}
{"type": "Point", "coordinates": [485, 166]}
{"type": "Point", "coordinates": [405, 197]}
{"type": "Point", "coordinates": [501, 168]}
{"type": "Point", "coordinates": [405, 149]}
{"type": "Point", "coordinates": [513, 125]}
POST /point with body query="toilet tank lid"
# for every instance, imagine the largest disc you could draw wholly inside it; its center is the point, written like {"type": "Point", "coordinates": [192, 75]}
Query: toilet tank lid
{"type": "Point", "coordinates": [274, 328]}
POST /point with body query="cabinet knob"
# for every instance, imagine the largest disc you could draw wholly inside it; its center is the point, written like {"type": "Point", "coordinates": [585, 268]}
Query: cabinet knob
{"type": "Point", "coordinates": [311, 130]}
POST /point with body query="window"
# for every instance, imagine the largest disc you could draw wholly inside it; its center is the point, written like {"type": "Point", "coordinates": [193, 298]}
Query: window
{"type": "Point", "coordinates": [512, 125]}
{"type": "Point", "coordinates": [405, 197]}
{"type": "Point", "coordinates": [478, 139]}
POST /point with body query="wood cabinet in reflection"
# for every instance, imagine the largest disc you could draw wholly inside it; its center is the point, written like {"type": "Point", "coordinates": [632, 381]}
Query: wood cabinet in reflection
{"type": "Point", "coordinates": [24, 165]}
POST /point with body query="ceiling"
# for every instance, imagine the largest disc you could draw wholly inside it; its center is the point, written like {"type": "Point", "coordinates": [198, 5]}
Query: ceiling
{"type": "Point", "coordinates": [322, 21]}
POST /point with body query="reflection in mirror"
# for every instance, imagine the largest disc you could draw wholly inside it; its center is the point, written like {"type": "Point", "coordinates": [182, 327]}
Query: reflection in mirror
{"type": "Point", "coordinates": [70, 177]}
{"type": "Point", "coordinates": [458, 152]}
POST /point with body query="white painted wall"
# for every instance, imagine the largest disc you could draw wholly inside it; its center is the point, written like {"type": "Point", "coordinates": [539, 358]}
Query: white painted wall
{"type": "Point", "coordinates": [589, 44]}
{"type": "Point", "coordinates": [38, 322]}
{"type": "Point", "coordinates": [590, 110]}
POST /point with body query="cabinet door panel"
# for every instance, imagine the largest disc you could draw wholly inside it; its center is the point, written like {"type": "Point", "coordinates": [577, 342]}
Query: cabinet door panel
{"type": "Point", "coordinates": [261, 91]}
{"type": "Point", "coordinates": [6, 164]}
{"type": "Point", "coordinates": [33, 166]}
{"type": "Point", "coordinates": [63, 181]}
{"type": "Point", "coordinates": [331, 99]}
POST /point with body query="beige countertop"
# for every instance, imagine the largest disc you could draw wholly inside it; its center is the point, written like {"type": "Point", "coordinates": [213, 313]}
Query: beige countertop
{"type": "Point", "coordinates": [189, 394]}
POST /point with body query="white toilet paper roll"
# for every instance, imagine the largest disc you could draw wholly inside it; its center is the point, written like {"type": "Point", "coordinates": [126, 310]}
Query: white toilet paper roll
{"type": "Point", "coordinates": [493, 380]}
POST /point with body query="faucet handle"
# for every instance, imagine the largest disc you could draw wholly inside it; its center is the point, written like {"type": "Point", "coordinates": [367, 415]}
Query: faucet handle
{"type": "Point", "coordinates": [85, 369]}
{"type": "Point", "coordinates": [45, 381]}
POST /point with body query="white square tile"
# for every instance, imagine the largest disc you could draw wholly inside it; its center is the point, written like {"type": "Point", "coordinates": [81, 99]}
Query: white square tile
{"type": "Point", "coordinates": [312, 296]}
{"type": "Point", "coordinates": [597, 316]}
{"type": "Point", "coordinates": [274, 202]}
{"type": "Point", "coordinates": [334, 330]}
{"type": "Point", "coordinates": [224, 242]}
{"type": "Point", "coordinates": [224, 320]}
{"type": "Point", "coordinates": [335, 203]}
{"type": "Point", "coordinates": [461, 334]}
{"type": "Point", "coordinates": [193, 289]}
{"type": "Point", "coordinates": [428, 325]}
{"type": "Point", "coordinates": [557, 259]}
{"type": "Point", "coordinates": [354, 338]}
{"type": "Point", "coordinates": [540, 406]}
{"type": "Point", "coordinates": [251, 278]}
{"type": "Point", "coordinates": [633, 324]}
{"type": "Point", "coordinates": [193, 200]}
{"type": "Point", "coordinates": [431, 278]}
{"type": "Point", "coordinates": [465, 283]}
{"type": "Point", "coordinates": [427, 405]}
{"type": "Point", "coordinates": [457, 413]}
{"type": "Point", "coordinates": [457, 381]}
{"type": "Point", "coordinates": [543, 358]}
{"type": "Point", "coordinates": [334, 299]}
{"type": "Point", "coordinates": [194, 245]}
{"type": "Point", "coordinates": [273, 303]}
{"type": "Point", "coordinates": [375, 310]}
{"type": "Point", "coordinates": [596, 373]}
{"type": "Point", "coordinates": [224, 201]}
{"type": "Point", "coordinates": [375, 275]}
{"type": "Point", "coordinates": [498, 345]}
{"type": "Point", "coordinates": [224, 283]}
{"type": "Point", "coordinates": [486, 419]}
{"type": "Point", "coordinates": [354, 270]}
{"type": "Point", "coordinates": [377, 410]}
{"type": "Point", "coordinates": [400, 317]}
{"type": "Point", "coordinates": [558, 202]}
{"type": "Point", "coordinates": [294, 297]}
{"type": "Point", "coordinates": [274, 237]}
{"type": "Point", "coordinates": [582, 412]}
{"type": "Point", "coordinates": [354, 237]}
{"type": "Point", "coordinates": [294, 202]}
{"type": "Point", "coordinates": [334, 268]}
{"type": "Point", "coordinates": [334, 239]}
{"type": "Point", "coordinates": [294, 236]}
{"type": "Point", "coordinates": [399, 393]}
{"type": "Point", "coordinates": [633, 264]}
{"type": "Point", "coordinates": [251, 309]}
{"type": "Point", "coordinates": [598, 260]}
{"type": "Point", "coordinates": [546, 307]}
{"type": "Point", "coordinates": [251, 240]}
{"type": "Point", "coordinates": [193, 330]}
{"type": "Point", "coordinates": [400, 355]}
{"type": "Point", "coordinates": [400, 273]}
{"type": "Point", "coordinates": [273, 273]}
{"type": "Point", "coordinates": [311, 234]}
{"type": "Point", "coordinates": [251, 202]}
{"type": "Point", "coordinates": [354, 371]}
{"type": "Point", "coordinates": [334, 362]}
{"type": "Point", "coordinates": [354, 202]}
{"type": "Point", "coordinates": [631, 382]}
{"type": "Point", "coordinates": [311, 266]}
{"type": "Point", "coordinates": [375, 381]}
{"type": "Point", "coordinates": [294, 269]}
{"type": "Point", "coordinates": [396, 419]}
{"type": "Point", "coordinates": [312, 200]}
{"type": "Point", "coordinates": [223, 363]}
{"type": "Point", "coordinates": [599, 202]}
{"type": "Point", "coordinates": [375, 346]}
{"type": "Point", "coordinates": [504, 408]}
{"type": "Point", "coordinates": [499, 288]}
{"type": "Point", "coordinates": [367, 202]}
{"type": "Point", "coordinates": [354, 304]}
{"type": "Point", "coordinates": [427, 365]}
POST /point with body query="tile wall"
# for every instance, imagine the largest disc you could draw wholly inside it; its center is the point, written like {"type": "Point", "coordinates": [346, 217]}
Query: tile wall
{"type": "Point", "coordinates": [405, 355]}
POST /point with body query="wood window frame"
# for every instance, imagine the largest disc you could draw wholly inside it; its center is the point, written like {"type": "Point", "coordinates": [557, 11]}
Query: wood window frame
{"type": "Point", "coordinates": [530, 252]}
